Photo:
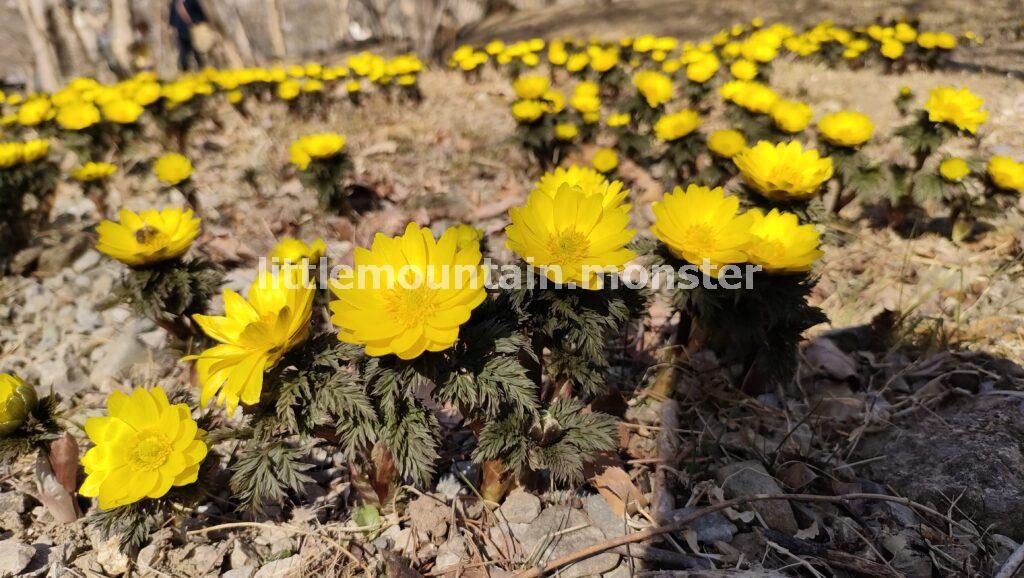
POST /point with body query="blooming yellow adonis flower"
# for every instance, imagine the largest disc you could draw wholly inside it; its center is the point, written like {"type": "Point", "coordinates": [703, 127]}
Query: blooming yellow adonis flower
{"type": "Point", "coordinates": [11, 154]}
{"type": "Point", "coordinates": [954, 169]}
{"type": "Point", "coordinates": [122, 111]}
{"type": "Point", "coordinates": [791, 116]}
{"type": "Point", "coordinates": [78, 116]}
{"type": "Point", "coordinates": [677, 125]}
{"type": "Point", "coordinates": [780, 244]}
{"type": "Point", "coordinates": [1006, 173]}
{"type": "Point", "coordinates": [703, 227]}
{"type": "Point", "coordinates": [290, 250]}
{"type": "Point", "coordinates": [588, 180]}
{"type": "Point", "coordinates": [743, 69]}
{"type": "Point", "coordinates": [618, 119]}
{"type": "Point", "coordinates": [846, 128]}
{"type": "Point", "coordinates": [35, 111]}
{"type": "Point", "coordinates": [531, 87]}
{"type": "Point", "coordinates": [173, 168]}
{"type": "Point", "coordinates": [34, 150]}
{"type": "Point", "coordinates": [605, 160]}
{"type": "Point", "coordinates": [467, 236]}
{"type": "Point", "coordinates": [253, 335]}
{"type": "Point", "coordinates": [289, 90]}
{"type": "Point", "coordinates": [144, 446]}
{"type": "Point", "coordinates": [315, 147]}
{"type": "Point", "coordinates": [959, 108]}
{"type": "Point", "coordinates": [784, 171]}
{"type": "Point", "coordinates": [148, 237]}
{"type": "Point", "coordinates": [17, 400]}
{"type": "Point", "coordinates": [528, 111]}
{"type": "Point", "coordinates": [727, 143]}
{"type": "Point", "coordinates": [892, 48]}
{"type": "Point", "coordinates": [90, 172]}
{"type": "Point", "coordinates": [656, 88]}
{"type": "Point", "coordinates": [572, 235]}
{"type": "Point", "coordinates": [408, 294]}
{"type": "Point", "coordinates": [566, 131]}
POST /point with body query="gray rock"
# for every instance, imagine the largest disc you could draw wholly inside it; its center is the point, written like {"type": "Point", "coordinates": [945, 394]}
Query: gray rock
{"type": "Point", "coordinates": [557, 519]}
{"type": "Point", "coordinates": [451, 553]}
{"type": "Point", "coordinates": [16, 502]}
{"type": "Point", "coordinates": [710, 528]}
{"type": "Point", "coordinates": [117, 358]}
{"type": "Point", "coordinates": [206, 559]}
{"type": "Point", "coordinates": [240, 572]}
{"type": "Point", "coordinates": [110, 557]}
{"type": "Point", "coordinates": [87, 261]}
{"type": "Point", "coordinates": [14, 557]}
{"type": "Point", "coordinates": [970, 450]}
{"type": "Point", "coordinates": [428, 516]}
{"type": "Point", "coordinates": [520, 507]}
{"type": "Point", "coordinates": [602, 516]}
{"type": "Point", "coordinates": [243, 555]}
{"type": "Point", "coordinates": [750, 478]}
{"type": "Point", "coordinates": [290, 567]}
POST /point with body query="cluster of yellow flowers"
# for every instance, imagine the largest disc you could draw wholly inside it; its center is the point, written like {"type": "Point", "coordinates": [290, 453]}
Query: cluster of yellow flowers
{"type": "Point", "coordinates": [13, 154]}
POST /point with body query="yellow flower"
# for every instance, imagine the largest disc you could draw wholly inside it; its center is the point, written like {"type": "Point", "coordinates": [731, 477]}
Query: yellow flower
{"type": "Point", "coordinates": [585, 103]}
{"type": "Point", "coordinates": [780, 244]}
{"type": "Point", "coordinates": [656, 88]}
{"type": "Point", "coordinates": [892, 49]}
{"type": "Point", "coordinates": [172, 168]}
{"type": "Point", "coordinates": [605, 160]}
{"type": "Point", "coordinates": [743, 70]}
{"type": "Point", "coordinates": [727, 143]}
{"type": "Point", "coordinates": [11, 154]}
{"type": "Point", "coordinates": [17, 400]}
{"type": "Point", "coordinates": [253, 335]}
{"type": "Point", "coordinates": [143, 447]}
{"type": "Point", "coordinates": [618, 119]}
{"type": "Point", "coordinates": [290, 250]}
{"type": "Point", "coordinates": [675, 126]}
{"type": "Point", "coordinates": [959, 108]}
{"type": "Point", "coordinates": [530, 87]}
{"type": "Point", "coordinates": [588, 180]}
{"type": "Point", "coordinates": [603, 59]}
{"type": "Point", "coordinates": [790, 116]}
{"type": "Point", "coordinates": [288, 90]}
{"type": "Point", "coordinates": [703, 227]}
{"type": "Point", "coordinates": [408, 294]}
{"type": "Point", "coordinates": [353, 86]}
{"type": "Point", "coordinates": [315, 147]}
{"type": "Point", "coordinates": [784, 171]}
{"type": "Point", "coordinates": [702, 70]}
{"type": "Point", "coordinates": [148, 237]}
{"type": "Point", "coordinates": [467, 236]}
{"type": "Point", "coordinates": [528, 111]}
{"type": "Point", "coordinates": [751, 95]}
{"type": "Point", "coordinates": [35, 150]}
{"type": "Point", "coordinates": [122, 111]}
{"type": "Point", "coordinates": [78, 116]}
{"type": "Point", "coordinates": [235, 96]}
{"type": "Point", "coordinates": [954, 169]}
{"type": "Point", "coordinates": [35, 111]}
{"type": "Point", "coordinates": [571, 235]}
{"type": "Point", "coordinates": [93, 172]}
{"type": "Point", "coordinates": [566, 131]}
{"type": "Point", "coordinates": [846, 129]}
{"type": "Point", "coordinates": [1006, 173]}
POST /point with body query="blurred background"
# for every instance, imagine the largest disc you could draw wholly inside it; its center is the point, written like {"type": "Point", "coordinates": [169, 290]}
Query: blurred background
{"type": "Point", "coordinates": [47, 42]}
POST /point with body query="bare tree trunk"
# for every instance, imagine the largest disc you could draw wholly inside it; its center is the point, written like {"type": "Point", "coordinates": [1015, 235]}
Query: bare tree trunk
{"type": "Point", "coordinates": [342, 20]}
{"type": "Point", "coordinates": [121, 34]}
{"type": "Point", "coordinates": [219, 21]}
{"type": "Point", "coordinates": [241, 36]}
{"type": "Point", "coordinates": [377, 11]}
{"type": "Point", "coordinates": [71, 50]}
{"type": "Point", "coordinates": [34, 15]}
{"type": "Point", "coordinates": [274, 29]}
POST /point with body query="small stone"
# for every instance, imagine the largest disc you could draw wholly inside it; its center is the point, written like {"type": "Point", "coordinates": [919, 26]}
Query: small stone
{"type": "Point", "coordinates": [148, 556]}
{"type": "Point", "coordinates": [387, 538]}
{"type": "Point", "coordinates": [118, 357]}
{"type": "Point", "coordinates": [240, 572]}
{"type": "Point", "coordinates": [557, 519]}
{"type": "Point", "coordinates": [601, 514]}
{"type": "Point", "coordinates": [711, 528]}
{"type": "Point", "coordinates": [17, 502]}
{"type": "Point", "coordinates": [87, 261]}
{"type": "Point", "coordinates": [110, 556]}
{"type": "Point", "coordinates": [428, 516]}
{"type": "Point", "coordinates": [206, 559]}
{"type": "Point", "coordinates": [449, 487]}
{"type": "Point", "coordinates": [14, 557]}
{"type": "Point", "coordinates": [243, 555]}
{"type": "Point", "coordinates": [520, 507]}
{"type": "Point", "coordinates": [290, 567]}
{"type": "Point", "coordinates": [750, 478]}
{"type": "Point", "coordinates": [451, 553]}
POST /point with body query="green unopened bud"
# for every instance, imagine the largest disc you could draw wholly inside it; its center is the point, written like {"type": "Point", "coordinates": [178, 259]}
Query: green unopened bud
{"type": "Point", "coordinates": [17, 400]}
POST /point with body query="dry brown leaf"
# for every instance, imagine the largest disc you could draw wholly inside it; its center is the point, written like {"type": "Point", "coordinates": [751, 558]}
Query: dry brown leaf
{"type": "Point", "coordinates": [619, 491]}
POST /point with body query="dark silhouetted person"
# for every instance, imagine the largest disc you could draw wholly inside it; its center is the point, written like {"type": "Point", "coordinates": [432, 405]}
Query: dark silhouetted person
{"type": "Point", "coordinates": [184, 15]}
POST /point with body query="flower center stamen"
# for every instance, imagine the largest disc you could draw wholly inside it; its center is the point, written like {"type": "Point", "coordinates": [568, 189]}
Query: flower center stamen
{"type": "Point", "coordinates": [150, 452]}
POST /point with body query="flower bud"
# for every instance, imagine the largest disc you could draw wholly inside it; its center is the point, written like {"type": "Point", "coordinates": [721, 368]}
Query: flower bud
{"type": "Point", "coordinates": [17, 400]}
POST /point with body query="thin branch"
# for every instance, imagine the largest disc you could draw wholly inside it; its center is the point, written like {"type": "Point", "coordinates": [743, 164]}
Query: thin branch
{"type": "Point", "coordinates": [600, 547]}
